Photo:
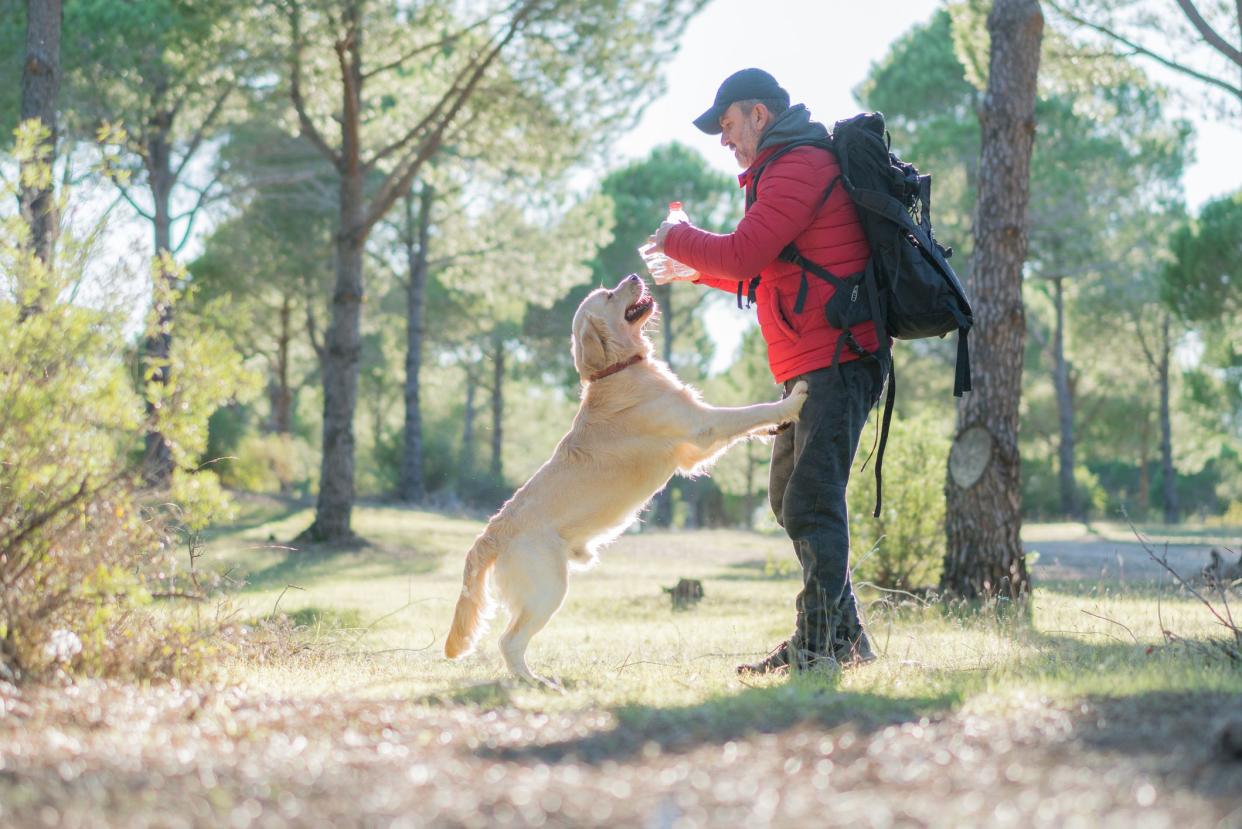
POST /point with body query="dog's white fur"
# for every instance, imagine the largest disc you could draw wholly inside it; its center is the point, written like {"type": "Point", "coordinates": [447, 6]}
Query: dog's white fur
{"type": "Point", "coordinates": [633, 430]}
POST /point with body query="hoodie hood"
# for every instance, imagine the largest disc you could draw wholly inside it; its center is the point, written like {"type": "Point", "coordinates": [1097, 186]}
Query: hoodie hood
{"type": "Point", "coordinates": [794, 124]}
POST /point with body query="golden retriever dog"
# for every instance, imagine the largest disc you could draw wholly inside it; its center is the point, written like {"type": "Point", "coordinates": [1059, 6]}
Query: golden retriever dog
{"type": "Point", "coordinates": [636, 426]}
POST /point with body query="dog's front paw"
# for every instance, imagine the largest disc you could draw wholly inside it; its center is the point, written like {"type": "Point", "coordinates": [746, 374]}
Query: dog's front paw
{"type": "Point", "coordinates": [793, 402]}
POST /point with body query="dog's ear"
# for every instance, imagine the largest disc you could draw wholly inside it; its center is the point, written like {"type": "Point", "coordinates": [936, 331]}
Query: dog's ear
{"type": "Point", "coordinates": [588, 345]}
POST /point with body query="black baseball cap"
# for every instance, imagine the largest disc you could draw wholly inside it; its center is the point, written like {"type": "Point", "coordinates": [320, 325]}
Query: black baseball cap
{"type": "Point", "coordinates": [740, 86]}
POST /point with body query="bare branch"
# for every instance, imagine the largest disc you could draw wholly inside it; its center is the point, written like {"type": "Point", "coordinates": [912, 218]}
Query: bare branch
{"type": "Point", "coordinates": [1115, 622]}
{"type": "Point", "coordinates": [312, 328]}
{"type": "Point", "coordinates": [1209, 34]}
{"type": "Point", "coordinates": [1163, 561]}
{"type": "Point", "coordinates": [421, 126]}
{"type": "Point", "coordinates": [192, 213]}
{"type": "Point", "coordinates": [295, 90]}
{"type": "Point", "coordinates": [1035, 331]}
{"type": "Point", "coordinates": [468, 254]}
{"type": "Point", "coordinates": [1147, 352]}
{"type": "Point", "coordinates": [1142, 50]}
{"type": "Point", "coordinates": [399, 182]}
{"type": "Point", "coordinates": [421, 48]}
{"type": "Point", "coordinates": [125, 195]}
{"type": "Point", "coordinates": [203, 128]}
{"type": "Point", "coordinates": [347, 59]}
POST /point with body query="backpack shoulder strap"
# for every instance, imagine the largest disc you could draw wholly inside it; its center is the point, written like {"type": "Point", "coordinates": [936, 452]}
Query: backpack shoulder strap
{"type": "Point", "coordinates": [752, 190]}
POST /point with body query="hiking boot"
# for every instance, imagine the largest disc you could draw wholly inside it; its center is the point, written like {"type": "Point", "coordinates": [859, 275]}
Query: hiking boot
{"type": "Point", "coordinates": [855, 653]}
{"type": "Point", "coordinates": [775, 662]}
{"type": "Point", "coordinates": [786, 656]}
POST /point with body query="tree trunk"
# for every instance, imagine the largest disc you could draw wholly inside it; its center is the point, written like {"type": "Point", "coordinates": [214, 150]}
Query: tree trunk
{"type": "Point", "coordinates": [498, 406]}
{"type": "Point", "coordinates": [466, 461]}
{"type": "Point", "coordinates": [280, 394]}
{"type": "Point", "coordinates": [341, 355]}
{"type": "Point", "coordinates": [416, 239]}
{"type": "Point", "coordinates": [158, 463]}
{"type": "Point", "coordinates": [1070, 506]}
{"type": "Point", "coordinates": [40, 89]}
{"type": "Point", "coordinates": [983, 555]}
{"type": "Point", "coordinates": [1169, 474]}
{"type": "Point", "coordinates": [342, 346]}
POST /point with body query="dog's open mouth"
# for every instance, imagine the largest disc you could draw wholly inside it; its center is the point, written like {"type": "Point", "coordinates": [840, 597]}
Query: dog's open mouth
{"type": "Point", "coordinates": [641, 307]}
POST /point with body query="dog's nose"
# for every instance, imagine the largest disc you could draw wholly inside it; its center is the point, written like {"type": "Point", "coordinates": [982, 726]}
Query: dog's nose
{"type": "Point", "coordinates": [633, 278]}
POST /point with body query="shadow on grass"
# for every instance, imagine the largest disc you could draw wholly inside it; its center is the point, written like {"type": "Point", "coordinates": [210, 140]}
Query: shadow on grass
{"type": "Point", "coordinates": [756, 710]}
{"type": "Point", "coordinates": [1153, 588]}
{"type": "Point", "coordinates": [1183, 738]}
{"type": "Point", "coordinates": [257, 510]}
{"type": "Point", "coordinates": [354, 560]}
{"type": "Point", "coordinates": [769, 569]}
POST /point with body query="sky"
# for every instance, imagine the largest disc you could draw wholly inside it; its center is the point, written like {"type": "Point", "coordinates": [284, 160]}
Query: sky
{"type": "Point", "coordinates": [820, 51]}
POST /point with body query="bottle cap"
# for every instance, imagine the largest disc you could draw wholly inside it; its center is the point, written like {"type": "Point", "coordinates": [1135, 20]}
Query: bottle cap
{"type": "Point", "coordinates": [674, 205]}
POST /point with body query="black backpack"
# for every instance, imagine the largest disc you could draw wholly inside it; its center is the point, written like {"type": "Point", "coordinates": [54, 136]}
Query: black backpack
{"type": "Point", "coordinates": [908, 287]}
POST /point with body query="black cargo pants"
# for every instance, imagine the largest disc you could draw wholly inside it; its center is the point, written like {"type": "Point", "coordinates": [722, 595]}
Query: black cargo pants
{"type": "Point", "coordinates": [810, 469]}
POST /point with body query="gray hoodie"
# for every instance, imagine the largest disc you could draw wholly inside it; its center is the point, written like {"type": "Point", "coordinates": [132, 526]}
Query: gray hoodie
{"type": "Point", "coordinates": [794, 124]}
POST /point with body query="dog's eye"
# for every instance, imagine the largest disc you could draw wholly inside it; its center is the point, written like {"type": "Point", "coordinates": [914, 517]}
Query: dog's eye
{"type": "Point", "coordinates": [610, 294]}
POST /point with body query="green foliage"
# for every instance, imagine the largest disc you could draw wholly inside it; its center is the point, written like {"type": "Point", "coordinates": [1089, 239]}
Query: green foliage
{"type": "Point", "coordinates": [1041, 492]}
{"type": "Point", "coordinates": [902, 549]}
{"type": "Point", "coordinates": [272, 463]}
{"type": "Point", "coordinates": [79, 552]}
{"type": "Point", "coordinates": [1204, 280]}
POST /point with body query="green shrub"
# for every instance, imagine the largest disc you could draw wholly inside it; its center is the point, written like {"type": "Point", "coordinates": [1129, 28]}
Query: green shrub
{"type": "Point", "coordinates": [273, 464]}
{"type": "Point", "coordinates": [1041, 489]}
{"type": "Point", "coordinates": [903, 548]}
{"type": "Point", "coordinates": [81, 559]}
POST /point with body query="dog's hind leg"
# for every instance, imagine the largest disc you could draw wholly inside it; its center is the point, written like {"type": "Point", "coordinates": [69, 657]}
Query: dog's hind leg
{"type": "Point", "coordinates": [533, 580]}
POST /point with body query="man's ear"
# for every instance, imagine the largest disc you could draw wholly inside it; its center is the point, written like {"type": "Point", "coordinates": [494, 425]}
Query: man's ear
{"type": "Point", "coordinates": [588, 346]}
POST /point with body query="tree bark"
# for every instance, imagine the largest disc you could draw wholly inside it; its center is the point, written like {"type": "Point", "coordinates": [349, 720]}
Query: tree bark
{"type": "Point", "coordinates": [280, 394]}
{"type": "Point", "coordinates": [416, 239]}
{"type": "Point", "coordinates": [1070, 505]}
{"type": "Point", "coordinates": [466, 461]}
{"type": "Point", "coordinates": [343, 339]}
{"type": "Point", "coordinates": [1144, 498]}
{"type": "Point", "coordinates": [341, 355]}
{"type": "Point", "coordinates": [40, 90]}
{"type": "Point", "coordinates": [983, 555]}
{"type": "Point", "coordinates": [498, 406]}
{"type": "Point", "coordinates": [158, 464]}
{"type": "Point", "coordinates": [1169, 474]}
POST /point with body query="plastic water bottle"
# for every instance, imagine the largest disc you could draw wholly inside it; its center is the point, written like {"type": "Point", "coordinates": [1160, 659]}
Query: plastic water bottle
{"type": "Point", "coordinates": [663, 268]}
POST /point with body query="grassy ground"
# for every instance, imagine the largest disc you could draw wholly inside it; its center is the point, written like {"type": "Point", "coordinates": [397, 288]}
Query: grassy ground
{"type": "Point", "coordinates": [1073, 713]}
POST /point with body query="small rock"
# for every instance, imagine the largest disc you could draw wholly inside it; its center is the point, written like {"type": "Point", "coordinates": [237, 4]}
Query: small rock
{"type": "Point", "coordinates": [686, 592]}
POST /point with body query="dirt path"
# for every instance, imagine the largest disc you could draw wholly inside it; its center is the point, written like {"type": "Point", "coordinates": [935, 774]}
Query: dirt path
{"type": "Point", "coordinates": [107, 757]}
{"type": "Point", "coordinates": [1086, 556]}
{"type": "Point", "coordinates": [1094, 559]}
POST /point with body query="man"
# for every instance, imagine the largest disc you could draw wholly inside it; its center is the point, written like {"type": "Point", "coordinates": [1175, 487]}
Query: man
{"type": "Point", "coordinates": [789, 200]}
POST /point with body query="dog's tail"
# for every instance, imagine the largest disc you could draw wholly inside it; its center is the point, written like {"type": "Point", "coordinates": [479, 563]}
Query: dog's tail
{"type": "Point", "coordinates": [474, 604]}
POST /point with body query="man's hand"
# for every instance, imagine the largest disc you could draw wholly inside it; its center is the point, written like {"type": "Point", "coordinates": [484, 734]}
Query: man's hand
{"type": "Point", "coordinates": [662, 233]}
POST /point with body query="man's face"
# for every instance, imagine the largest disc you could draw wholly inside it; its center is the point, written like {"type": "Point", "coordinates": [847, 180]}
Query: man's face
{"type": "Point", "coordinates": [740, 132]}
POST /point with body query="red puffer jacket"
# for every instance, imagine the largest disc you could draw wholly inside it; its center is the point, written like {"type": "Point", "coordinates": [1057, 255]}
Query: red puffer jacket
{"type": "Point", "coordinates": [786, 209]}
